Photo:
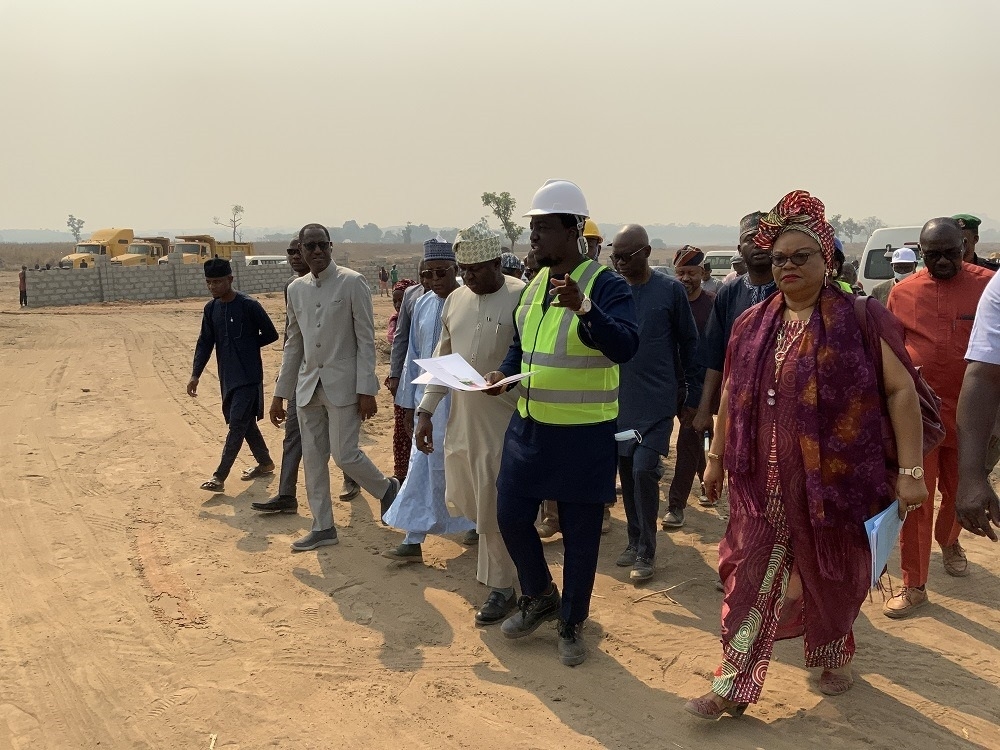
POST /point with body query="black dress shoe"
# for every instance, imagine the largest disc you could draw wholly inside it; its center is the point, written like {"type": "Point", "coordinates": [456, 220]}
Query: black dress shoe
{"type": "Point", "coordinates": [278, 504]}
{"type": "Point", "coordinates": [497, 607]}
{"type": "Point", "coordinates": [390, 496]}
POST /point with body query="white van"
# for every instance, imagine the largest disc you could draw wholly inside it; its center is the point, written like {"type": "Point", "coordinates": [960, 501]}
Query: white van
{"type": "Point", "coordinates": [875, 266]}
{"type": "Point", "coordinates": [721, 262]}
{"type": "Point", "coordinates": [267, 260]}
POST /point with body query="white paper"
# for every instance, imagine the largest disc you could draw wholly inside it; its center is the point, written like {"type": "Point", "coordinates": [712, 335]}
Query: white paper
{"type": "Point", "coordinates": [454, 372]}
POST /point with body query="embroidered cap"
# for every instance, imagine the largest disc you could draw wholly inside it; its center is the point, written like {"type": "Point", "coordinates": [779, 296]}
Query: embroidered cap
{"type": "Point", "coordinates": [477, 244]}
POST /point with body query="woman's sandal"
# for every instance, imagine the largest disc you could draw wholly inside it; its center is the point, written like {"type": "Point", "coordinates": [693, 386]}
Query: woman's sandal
{"type": "Point", "coordinates": [707, 708]}
{"type": "Point", "coordinates": [834, 684]}
{"type": "Point", "coordinates": [256, 471]}
{"type": "Point", "coordinates": [213, 485]}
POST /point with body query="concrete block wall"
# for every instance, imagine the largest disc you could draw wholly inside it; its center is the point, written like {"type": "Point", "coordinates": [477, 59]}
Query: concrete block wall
{"type": "Point", "coordinates": [109, 283]}
{"type": "Point", "coordinates": [77, 286]}
{"type": "Point", "coordinates": [138, 283]}
{"type": "Point", "coordinates": [258, 279]}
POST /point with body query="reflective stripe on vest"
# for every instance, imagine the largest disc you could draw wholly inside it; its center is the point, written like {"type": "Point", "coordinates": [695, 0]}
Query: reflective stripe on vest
{"type": "Point", "coordinates": [573, 384]}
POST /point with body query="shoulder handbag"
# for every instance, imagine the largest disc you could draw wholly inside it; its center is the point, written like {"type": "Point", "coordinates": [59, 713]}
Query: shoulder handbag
{"type": "Point", "coordinates": [930, 404]}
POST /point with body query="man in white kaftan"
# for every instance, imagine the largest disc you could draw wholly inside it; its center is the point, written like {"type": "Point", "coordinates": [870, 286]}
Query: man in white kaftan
{"type": "Point", "coordinates": [478, 323]}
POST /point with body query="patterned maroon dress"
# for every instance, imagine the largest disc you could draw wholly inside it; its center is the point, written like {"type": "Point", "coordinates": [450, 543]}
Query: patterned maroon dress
{"type": "Point", "coordinates": [759, 554]}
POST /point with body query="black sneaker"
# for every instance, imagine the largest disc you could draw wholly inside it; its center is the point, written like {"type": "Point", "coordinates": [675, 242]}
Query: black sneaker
{"type": "Point", "coordinates": [406, 553]}
{"type": "Point", "coordinates": [571, 648]}
{"type": "Point", "coordinates": [642, 570]}
{"type": "Point", "coordinates": [278, 504]}
{"type": "Point", "coordinates": [315, 540]}
{"type": "Point", "coordinates": [532, 612]}
{"type": "Point", "coordinates": [627, 558]}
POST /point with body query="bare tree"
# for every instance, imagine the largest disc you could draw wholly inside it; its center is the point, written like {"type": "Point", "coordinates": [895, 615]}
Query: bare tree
{"type": "Point", "coordinates": [851, 229]}
{"type": "Point", "coordinates": [837, 222]}
{"type": "Point", "coordinates": [503, 206]}
{"type": "Point", "coordinates": [870, 224]}
{"type": "Point", "coordinates": [75, 226]}
{"type": "Point", "coordinates": [233, 222]}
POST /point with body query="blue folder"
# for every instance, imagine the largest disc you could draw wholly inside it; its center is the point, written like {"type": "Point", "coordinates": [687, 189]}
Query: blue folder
{"type": "Point", "coordinates": [883, 534]}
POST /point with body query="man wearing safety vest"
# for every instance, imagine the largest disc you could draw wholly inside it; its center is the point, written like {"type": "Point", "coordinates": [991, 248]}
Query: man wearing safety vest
{"type": "Point", "coordinates": [574, 324]}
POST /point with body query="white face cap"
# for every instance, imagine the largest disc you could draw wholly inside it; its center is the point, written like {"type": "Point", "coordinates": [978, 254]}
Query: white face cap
{"type": "Point", "coordinates": [904, 255]}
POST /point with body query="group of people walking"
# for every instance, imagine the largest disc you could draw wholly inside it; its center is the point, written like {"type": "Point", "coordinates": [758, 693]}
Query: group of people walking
{"type": "Point", "coordinates": [807, 394]}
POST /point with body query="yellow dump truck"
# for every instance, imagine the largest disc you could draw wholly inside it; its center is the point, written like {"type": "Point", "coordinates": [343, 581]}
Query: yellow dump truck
{"type": "Point", "coordinates": [197, 248]}
{"type": "Point", "coordinates": [144, 251]}
{"type": "Point", "coordinates": [111, 242]}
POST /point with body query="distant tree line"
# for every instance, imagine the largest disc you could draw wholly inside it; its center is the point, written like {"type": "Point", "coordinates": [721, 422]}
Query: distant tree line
{"type": "Point", "coordinates": [372, 234]}
{"type": "Point", "coordinates": [503, 206]}
{"type": "Point", "coordinates": [851, 228]}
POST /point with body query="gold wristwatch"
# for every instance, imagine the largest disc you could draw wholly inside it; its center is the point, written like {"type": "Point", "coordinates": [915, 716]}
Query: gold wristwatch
{"type": "Point", "coordinates": [917, 472]}
{"type": "Point", "coordinates": [585, 305]}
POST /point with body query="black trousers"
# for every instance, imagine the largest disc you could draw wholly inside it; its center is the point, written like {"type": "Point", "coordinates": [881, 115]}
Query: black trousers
{"type": "Point", "coordinates": [581, 534]}
{"type": "Point", "coordinates": [24, 299]}
{"type": "Point", "coordinates": [291, 452]}
{"type": "Point", "coordinates": [640, 476]}
{"type": "Point", "coordinates": [689, 462]}
{"type": "Point", "coordinates": [241, 409]}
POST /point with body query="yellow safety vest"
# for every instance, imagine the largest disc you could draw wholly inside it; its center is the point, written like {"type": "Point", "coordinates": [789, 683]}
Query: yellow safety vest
{"type": "Point", "coordinates": [573, 384]}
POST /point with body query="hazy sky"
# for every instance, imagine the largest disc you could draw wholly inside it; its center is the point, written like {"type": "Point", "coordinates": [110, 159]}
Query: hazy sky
{"type": "Point", "coordinates": [159, 114]}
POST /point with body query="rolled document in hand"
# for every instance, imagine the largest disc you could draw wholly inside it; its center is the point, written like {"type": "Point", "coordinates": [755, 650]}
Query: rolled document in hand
{"type": "Point", "coordinates": [626, 435]}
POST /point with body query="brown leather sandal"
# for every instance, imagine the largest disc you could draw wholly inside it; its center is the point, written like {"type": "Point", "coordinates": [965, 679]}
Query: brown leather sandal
{"type": "Point", "coordinates": [708, 708]}
{"type": "Point", "coordinates": [214, 485]}
{"type": "Point", "coordinates": [834, 684]}
{"type": "Point", "coordinates": [256, 471]}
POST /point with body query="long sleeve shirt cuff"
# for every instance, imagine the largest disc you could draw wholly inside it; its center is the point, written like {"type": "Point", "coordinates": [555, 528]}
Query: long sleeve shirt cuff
{"type": "Point", "coordinates": [433, 395]}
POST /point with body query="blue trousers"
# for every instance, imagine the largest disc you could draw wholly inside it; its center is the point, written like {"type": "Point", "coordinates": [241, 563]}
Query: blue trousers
{"type": "Point", "coordinates": [640, 475]}
{"type": "Point", "coordinates": [581, 533]}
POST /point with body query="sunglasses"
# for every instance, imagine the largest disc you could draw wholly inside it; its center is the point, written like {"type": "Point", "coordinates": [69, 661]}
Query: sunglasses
{"type": "Point", "coordinates": [437, 273]}
{"type": "Point", "coordinates": [798, 259]}
{"type": "Point", "coordinates": [933, 256]}
{"type": "Point", "coordinates": [310, 246]}
{"type": "Point", "coordinates": [618, 258]}
{"type": "Point", "coordinates": [294, 251]}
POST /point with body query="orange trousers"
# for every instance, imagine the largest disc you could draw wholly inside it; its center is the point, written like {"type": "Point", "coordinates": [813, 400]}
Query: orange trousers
{"type": "Point", "coordinates": [940, 474]}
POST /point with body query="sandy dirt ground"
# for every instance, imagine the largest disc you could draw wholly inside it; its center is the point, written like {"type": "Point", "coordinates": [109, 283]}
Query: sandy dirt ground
{"type": "Point", "coordinates": [140, 612]}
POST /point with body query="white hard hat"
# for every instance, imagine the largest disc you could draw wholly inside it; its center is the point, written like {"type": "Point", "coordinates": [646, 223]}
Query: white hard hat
{"type": "Point", "coordinates": [559, 197]}
{"type": "Point", "coordinates": [904, 255]}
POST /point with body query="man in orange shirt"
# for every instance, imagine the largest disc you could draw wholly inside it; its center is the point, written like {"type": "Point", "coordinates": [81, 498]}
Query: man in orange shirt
{"type": "Point", "coordinates": [936, 307]}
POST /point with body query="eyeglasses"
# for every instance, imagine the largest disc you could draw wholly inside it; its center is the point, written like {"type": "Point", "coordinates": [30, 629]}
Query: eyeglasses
{"type": "Point", "coordinates": [530, 273]}
{"type": "Point", "coordinates": [798, 259]}
{"type": "Point", "coordinates": [295, 251]}
{"type": "Point", "coordinates": [617, 258]}
{"type": "Point", "coordinates": [310, 246]}
{"type": "Point", "coordinates": [437, 273]}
